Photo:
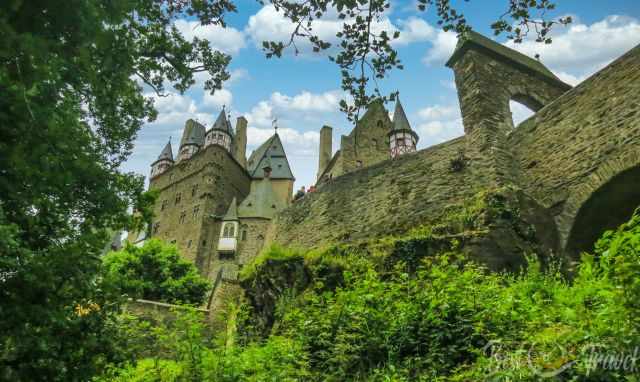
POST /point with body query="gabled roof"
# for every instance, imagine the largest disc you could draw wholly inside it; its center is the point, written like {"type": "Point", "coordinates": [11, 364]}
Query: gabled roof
{"type": "Point", "coordinates": [193, 133]}
{"type": "Point", "coordinates": [222, 123]}
{"type": "Point", "coordinates": [167, 153]}
{"type": "Point", "coordinates": [474, 40]}
{"type": "Point", "coordinates": [232, 211]}
{"type": "Point", "coordinates": [262, 201]}
{"type": "Point", "coordinates": [270, 152]}
{"type": "Point", "coordinates": [400, 121]}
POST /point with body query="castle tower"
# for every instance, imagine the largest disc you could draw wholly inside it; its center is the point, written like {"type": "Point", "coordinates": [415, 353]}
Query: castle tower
{"type": "Point", "coordinates": [325, 149]}
{"type": "Point", "coordinates": [220, 133]}
{"type": "Point", "coordinates": [241, 141]}
{"type": "Point", "coordinates": [192, 139]}
{"type": "Point", "coordinates": [229, 229]}
{"type": "Point", "coordinates": [402, 139]}
{"type": "Point", "coordinates": [164, 161]}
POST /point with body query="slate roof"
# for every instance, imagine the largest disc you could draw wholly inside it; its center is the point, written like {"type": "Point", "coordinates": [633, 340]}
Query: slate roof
{"type": "Point", "coordinates": [400, 121]}
{"type": "Point", "coordinates": [193, 133]}
{"type": "Point", "coordinates": [232, 211]}
{"type": "Point", "coordinates": [477, 41]}
{"type": "Point", "coordinates": [261, 202]}
{"type": "Point", "coordinates": [270, 153]}
{"type": "Point", "coordinates": [167, 153]}
{"type": "Point", "coordinates": [222, 123]}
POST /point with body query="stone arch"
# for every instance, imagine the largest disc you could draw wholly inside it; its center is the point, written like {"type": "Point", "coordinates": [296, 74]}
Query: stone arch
{"type": "Point", "coordinates": [488, 75]}
{"type": "Point", "coordinates": [605, 200]}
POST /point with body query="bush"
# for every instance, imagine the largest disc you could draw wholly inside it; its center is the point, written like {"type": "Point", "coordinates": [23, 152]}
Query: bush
{"type": "Point", "coordinates": [155, 272]}
{"type": "Point", "coordinates": [446, 320]}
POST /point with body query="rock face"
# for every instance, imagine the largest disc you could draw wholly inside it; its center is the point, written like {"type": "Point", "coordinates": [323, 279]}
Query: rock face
{"type": "Point", "coordinates": [574, 161]}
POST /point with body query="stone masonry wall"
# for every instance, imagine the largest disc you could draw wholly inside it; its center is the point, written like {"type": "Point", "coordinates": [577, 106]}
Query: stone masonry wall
{"type": "Point", "coordinates": [389, 197]}
{"type": "Point", "coordinates": [208, 181]}
{"type": "Point", "coordinates": [576, 144]}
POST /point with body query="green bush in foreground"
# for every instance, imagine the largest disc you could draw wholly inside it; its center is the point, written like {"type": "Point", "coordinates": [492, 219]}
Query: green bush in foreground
{"type": "Point", "coordinates": [156, 272]}
{"type": "Point", "coordinates": [450, 320]}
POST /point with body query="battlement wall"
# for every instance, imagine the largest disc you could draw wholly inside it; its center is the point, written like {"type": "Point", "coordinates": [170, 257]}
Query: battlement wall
{"type": "Point", "coordinates": [389, 197]}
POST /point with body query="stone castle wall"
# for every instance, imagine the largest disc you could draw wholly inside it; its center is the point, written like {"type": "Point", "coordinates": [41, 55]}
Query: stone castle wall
{"type": "Point", "coordinates": [208, 181]}
{"type": "Point", "coordinates": [576, 144]}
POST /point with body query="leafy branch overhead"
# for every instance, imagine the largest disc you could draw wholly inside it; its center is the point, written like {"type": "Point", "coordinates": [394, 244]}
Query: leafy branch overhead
{"type": "Point", "coordinates": [364, 53]}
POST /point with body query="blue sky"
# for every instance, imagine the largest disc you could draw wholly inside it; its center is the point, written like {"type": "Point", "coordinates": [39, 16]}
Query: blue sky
{"type": "Point", "coordinates": [303, 91]}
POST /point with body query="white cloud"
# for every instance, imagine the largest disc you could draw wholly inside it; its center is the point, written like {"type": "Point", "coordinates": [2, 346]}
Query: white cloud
{"type": "Point", "coordinates": [302, 107]}
{"type": "Point", "coordinates": [439, 123]}
{"type": "Point", "coordinates": [414, 29]}
{"type": "Point", "coordinates": [439, 112]}
{"type": "Point", "coordinates": [443, 46]}
{"type": "Point", "coordinates": [221, 97]}
{"type": "Point", "coordinates": [270, 25]}
{"type": "Point", "coordinates": [580, 50]}
{"type": "Point", "coordinates": [225, 39]}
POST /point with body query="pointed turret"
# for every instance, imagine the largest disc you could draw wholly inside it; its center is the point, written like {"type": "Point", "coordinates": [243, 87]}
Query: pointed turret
{"type": "Point", "coordinates": [402, 139]}
{"type": "Point", "coordinates": [167, 152]}
{"type": "Point", "coordinates": [232, 211]}
{"type": "Point", "coordinates": [221, 132]}
{"type": "Point", "coordinates": [164, 161]}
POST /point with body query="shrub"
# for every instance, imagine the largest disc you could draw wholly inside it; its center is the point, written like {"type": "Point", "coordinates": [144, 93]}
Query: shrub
{"type": "Point", "coordinates": [156, 272]}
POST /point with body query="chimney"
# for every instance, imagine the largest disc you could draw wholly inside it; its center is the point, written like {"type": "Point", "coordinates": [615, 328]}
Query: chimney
{"type": "Point", "coordinates": [325, 149]}
{"type": "Point", "coordinates": [241, 141]}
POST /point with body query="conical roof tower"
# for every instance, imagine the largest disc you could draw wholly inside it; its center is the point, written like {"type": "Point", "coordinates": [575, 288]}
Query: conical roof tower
{"type": "Point", "coordinates": [402, 138]}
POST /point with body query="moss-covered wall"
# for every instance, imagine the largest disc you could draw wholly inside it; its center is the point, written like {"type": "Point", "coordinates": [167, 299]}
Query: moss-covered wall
{"type": "Point", "coordinates": [578, 143]}
{"type": "Point", "coordinates": [569, 149]}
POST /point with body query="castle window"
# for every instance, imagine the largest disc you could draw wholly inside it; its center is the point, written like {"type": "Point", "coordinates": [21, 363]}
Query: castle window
{"type": "Point", "coordinates": [178, 197]}
{"type": "Point", "coordinates": [189, 244]}
{"type": "Point", "coordinates": [229, 230]}
{"type": "Point", "coordinates": [244, 235]}
{"type": "Point", "coordinates": [204, 243]}
{"type": "Point", "coordinates": [173, 241]}
{"type": "Point", "coordinates": [196, 209]}
{"type": "Point", "coordinates": [183, 216]}
{"type": "Point", "coordinates": [194, 190]}
{"type": "Point", "coordinates": [164, 205]}
{"type": "Point", "coordinates": [156, 227]}
{"type": "Point", "coordinates": [379, 123]}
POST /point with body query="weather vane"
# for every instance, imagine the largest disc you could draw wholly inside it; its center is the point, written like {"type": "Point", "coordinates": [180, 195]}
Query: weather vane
{"type": "Point", "coordinates": [274, 124]}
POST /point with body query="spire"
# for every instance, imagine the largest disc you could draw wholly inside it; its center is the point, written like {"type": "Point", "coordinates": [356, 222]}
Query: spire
{"type": "Point", "coordinates": [232, 212]}
{"type": "Point", "coordinates": [222, 123]}
{"type": "Point", "coordinates": [400, 121]}
{"type": "Point", "coordinates": [167, 152]}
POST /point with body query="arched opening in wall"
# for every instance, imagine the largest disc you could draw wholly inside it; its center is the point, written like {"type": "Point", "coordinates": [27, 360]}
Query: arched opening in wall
{"type": "Point", "coordinates": [522, 107]}
{"type": "Point", "coordinates": [608, 207]}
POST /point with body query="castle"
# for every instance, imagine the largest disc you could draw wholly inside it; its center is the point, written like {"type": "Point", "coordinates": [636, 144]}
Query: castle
{"type": "Point", "coordinates": [217, 206]}
{"type": "Point", "coordinates": [576, 163]}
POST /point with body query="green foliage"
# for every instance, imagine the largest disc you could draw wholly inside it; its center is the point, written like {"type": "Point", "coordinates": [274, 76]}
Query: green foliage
{"type": "Point", "coordinates": [446, 320]}
{"type": "Point", "coordinates": [182, 350]}
{"type": "Point", "coordinates": [364, 52]}
{"type": "Point", "coordinates": [155, 271]}
{"type": "Point", "coordinates": [273, 252]}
